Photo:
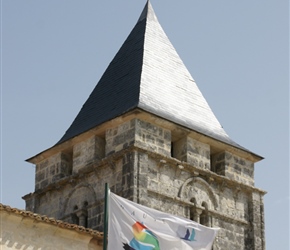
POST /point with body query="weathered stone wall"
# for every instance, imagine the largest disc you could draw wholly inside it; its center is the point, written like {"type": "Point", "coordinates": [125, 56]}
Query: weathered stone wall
{"type": "Point", "coordinates": [86, 152]}
{"type": "Point", "coordinates": [256, 234]}
{"type": "Point", "coordinates": [228, 206]}
{"type": "Point", "coordinates": [79, 198]}
{"type": "Point", "coordinates": [192, 151]}
{"type": "Point", "coordinates": [152, 138]}
{"type": "Point", "coordinates": [138, 162]}
{"type": "Point", "coordinates": [233, 167]}
{"type": "Point", "coordinates": [120, 137]}
{"type": "Point", "coordinates": [52, 169]}
{"type": "Point", "coordinates": [141, 134]}
{"type": "Point", "coordinates": [232, 235]}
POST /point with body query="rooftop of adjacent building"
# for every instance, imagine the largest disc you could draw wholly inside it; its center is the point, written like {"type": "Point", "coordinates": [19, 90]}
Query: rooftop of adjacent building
{"type": "Point", "coordinates": [50, 221]}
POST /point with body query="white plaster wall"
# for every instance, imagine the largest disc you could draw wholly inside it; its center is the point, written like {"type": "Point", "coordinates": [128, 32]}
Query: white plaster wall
{"type": "Point", "coordinates": [18, 232]}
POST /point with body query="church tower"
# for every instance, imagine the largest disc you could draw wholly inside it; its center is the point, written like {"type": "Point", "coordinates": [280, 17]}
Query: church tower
{"type": "Point", "coordinates": [148, 132]}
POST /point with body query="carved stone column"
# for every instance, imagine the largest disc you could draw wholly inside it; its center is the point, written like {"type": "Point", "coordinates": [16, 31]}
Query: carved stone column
{"type": "Point", "coordinates": [197, 214]}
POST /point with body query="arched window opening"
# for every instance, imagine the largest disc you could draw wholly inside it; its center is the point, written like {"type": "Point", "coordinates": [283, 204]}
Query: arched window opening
{"type": "Point", "coordinates": [199, 213]}
{"type": "Point", "coordinates": [193, 200]}
{"type": "Point", "coordinates": [83, 218]}
{"type": "Point", "coordinates": [80, 216]}
{"type": "Point", "coordinates": [172, 150]}
{"type": "Point", "coordinates": [204, 204]}
{"type": "Point", "coordinates": [193, 213]}
{"type": "Point", "coordinates": [75, 219]}
{"type": "Point", "coordinates": [204, 217]}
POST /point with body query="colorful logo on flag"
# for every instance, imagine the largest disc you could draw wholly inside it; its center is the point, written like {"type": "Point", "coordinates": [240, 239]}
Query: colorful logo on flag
{"type": "Point", "coordinates": [143, 239]}
{"type": "Point", "coordinates": [186, 233]}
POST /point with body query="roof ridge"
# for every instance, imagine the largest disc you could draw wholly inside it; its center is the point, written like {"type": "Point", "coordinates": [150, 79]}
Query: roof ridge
{"type": "Point", "coordinates": [147, 13]}
{"type": "Point", "coordinates": [144, 12]}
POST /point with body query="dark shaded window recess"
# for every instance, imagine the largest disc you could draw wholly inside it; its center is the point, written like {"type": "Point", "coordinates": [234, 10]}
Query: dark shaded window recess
{"type": "Point", "coordinates": [80, 216]}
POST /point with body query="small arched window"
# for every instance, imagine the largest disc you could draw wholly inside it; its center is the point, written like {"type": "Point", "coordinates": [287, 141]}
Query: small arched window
{"type": "Point", "coordinates": [75, 219]}
{"type": "Point", "coordinates": [193, 214]}
{"type": "Point", "coordinates": [80, 216]}
{"type": "Point", "coordinates": [204, 217]}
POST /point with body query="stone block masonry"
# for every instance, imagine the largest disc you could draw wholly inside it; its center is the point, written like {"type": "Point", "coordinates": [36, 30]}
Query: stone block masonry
{"type": "Point", "coordinates": [86, 152]}
{"type": "Point", "coordinates": [141, 162]}
{"type": "Point", "coordinates": [140, 134]}
{"type": "Point", "coordinates": [233, 167]}
{"type": "Point", "coordinates": [192, 151]}
{"type": "Point", "coordinates": [52, 169]}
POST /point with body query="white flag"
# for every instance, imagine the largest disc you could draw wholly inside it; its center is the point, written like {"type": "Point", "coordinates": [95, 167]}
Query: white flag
{"type": "Point", "coordinates": [136, 227]}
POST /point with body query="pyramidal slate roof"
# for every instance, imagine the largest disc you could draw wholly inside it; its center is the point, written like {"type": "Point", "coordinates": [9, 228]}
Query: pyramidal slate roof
{"type": "Point", "coordinates": [147, 73]}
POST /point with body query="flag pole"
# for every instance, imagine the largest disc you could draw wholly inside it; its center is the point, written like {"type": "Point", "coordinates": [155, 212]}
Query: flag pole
{"type": "Point", "coordinates": [105, 234]}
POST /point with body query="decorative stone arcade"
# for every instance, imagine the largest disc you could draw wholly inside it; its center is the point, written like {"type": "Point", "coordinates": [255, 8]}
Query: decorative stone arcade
{"type": "Point", "coordinates": [147, 131]}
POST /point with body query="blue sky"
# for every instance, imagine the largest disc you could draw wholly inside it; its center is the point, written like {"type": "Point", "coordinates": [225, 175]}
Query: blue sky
{"type": "Point", "coordinates": [54, 52]}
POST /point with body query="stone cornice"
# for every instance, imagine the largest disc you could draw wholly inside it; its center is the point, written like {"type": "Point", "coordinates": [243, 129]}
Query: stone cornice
{"type": "Point", "coordinates": [179, 131]}
{"type": "Point", "coordinates": [196, 171]}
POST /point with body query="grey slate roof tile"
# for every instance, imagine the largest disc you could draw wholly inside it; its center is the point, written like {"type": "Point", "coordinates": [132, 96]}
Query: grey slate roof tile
{"type": "Point", "coordinates": [147, 73]}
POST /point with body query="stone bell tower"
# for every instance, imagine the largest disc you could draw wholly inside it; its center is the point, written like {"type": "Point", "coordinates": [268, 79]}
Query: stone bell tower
{"type": "Point", "coordinates": [147, 130]}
